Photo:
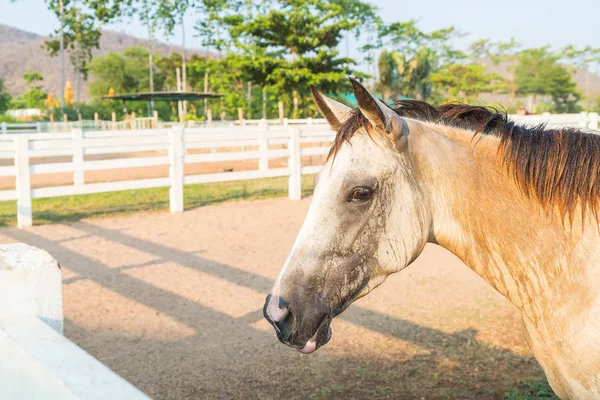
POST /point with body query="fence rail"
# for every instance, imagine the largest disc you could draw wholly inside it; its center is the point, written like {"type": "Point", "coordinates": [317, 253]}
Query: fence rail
{"type": "Point", "coordinates": [174, 148]}
{"type": "Point", "coordinates": [139, 124]}
{"type": "Point", "coordinates": [581, 120]}
{"type": "Point", "coordinates": [38, 362]}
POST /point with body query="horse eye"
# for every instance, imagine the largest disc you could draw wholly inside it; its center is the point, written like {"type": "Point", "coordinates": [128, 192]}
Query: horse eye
{"type": "Point", "coordinates": [361, 194]}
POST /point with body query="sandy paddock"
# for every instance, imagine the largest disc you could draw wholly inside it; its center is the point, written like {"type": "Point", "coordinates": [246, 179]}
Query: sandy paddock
{"type": "Point", "coordinates": [173, 303]}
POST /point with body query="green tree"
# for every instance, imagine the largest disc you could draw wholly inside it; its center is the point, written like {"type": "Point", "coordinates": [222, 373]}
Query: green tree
{"type": "Point", "coordinates": [125, 73]}
{"type": "Point", "coordinates": [292, 43]}
{"type": "Point", "coordinates": [505, 54]}
{"type": "Point", "coordinates": [538, 73]}
{"type": "Point", "coordinates": [406, 69]}
{"type": "Point", "coordinates": [399, 76]}
{"type": "Point", "coordinates": [466, 82]}
{"type": "Point", "coordinates": [4, 97]}
{"type": "Point", "coordinates": [588, 59]}
{"type": "Point", "coordinates": [35, 96]}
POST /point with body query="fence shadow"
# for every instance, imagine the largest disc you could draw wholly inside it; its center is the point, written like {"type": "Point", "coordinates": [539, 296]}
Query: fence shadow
{"type": "Point", "coordinates": [223, 356]}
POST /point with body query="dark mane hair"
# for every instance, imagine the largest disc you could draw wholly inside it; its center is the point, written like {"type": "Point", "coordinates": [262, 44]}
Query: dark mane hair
{"type": "Point", "coordinates": [560, 167]}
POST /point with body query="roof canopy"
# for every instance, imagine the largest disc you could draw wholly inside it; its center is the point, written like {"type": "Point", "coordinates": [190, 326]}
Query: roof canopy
{"type": "Point", "coordinates": [163, 96]}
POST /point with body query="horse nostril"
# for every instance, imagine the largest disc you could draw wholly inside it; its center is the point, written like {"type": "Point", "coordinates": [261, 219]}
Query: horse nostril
{"type": "Point", "coordinates": [277, 309]}
{"type": "Point", "coordinates": [285, 324]}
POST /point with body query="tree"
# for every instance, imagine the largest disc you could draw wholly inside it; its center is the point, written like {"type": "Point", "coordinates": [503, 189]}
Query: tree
{"type": "Point", "coordinates": [399, 76]}
{"type": "Point", "coordinates": [292, 43]}
{"type": "Point", "coordinates": [124, 73]}
{"type": "Point", "coordinates": [406, 69]}
{"type": "Point", "coordinates": [584, 58]}
{"type": "Point", "coordinates": [505, 54]}
{"type": "Point", "coordinates": [4, 97]}
{"type": "Point", "coordinates": [538, 73]}
{"type": "Point", "coordinates": [34, 97]}
{"type": "Point", "coordinates": [466, 81]}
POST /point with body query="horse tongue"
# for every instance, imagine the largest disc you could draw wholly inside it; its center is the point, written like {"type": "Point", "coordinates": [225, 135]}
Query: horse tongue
{"type": "Point", "coordinates": [309, 347]}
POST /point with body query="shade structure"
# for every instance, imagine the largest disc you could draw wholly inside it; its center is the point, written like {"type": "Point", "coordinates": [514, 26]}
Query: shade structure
{"type": "Point", "coordinates": [163, 96]}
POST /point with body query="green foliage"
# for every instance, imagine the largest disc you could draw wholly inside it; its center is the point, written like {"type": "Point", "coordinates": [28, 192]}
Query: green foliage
{"type": "Point", "coordinates": [530, 390]}
{"type": "Point", "coordinates": [466, 81]}
{"type": "Point", "coordinates": [588, 59]}
{"type": "Point", "coordinates": [402, 77]}
{"type": "Point", "coordinates": [538, 73]}
{"type": "Point", "coordinates": [34, 97]}
{"type": "Point", "coordinates": [406, 70]}
{"type": "Point", "coordinates": [125, 73]}
{"type": "Point", "coordinates": [276, 49]}
{"type": "Point", "coordinates": [32, 77]}
{"type": "Point", "coordinates": [5, 98]}
{"type": "Point", "coordinates": [8, 119]}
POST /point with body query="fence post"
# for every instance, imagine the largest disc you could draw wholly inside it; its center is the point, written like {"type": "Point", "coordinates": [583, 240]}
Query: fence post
{"type": "Point", "coordinates": [546, 118]}
{"type": "Point", "coordinates": [38, 127]}
{"type": "Point", "coordinates": [78, 178]}
{"type": "Point", "coordinates": [155, 115]}
{"type": "Point", "coordinates": [114, 120]}
{"type": "Point", "coordinates": [286, 122]}
{"type": "Point", "coordinates": [176, 154]}
{"type": "Point", "coordinates": [263, 146]}
{"type": "Point", "coordinates": [133, 123]}
{"type": "Point", "coordinates": [281, 111]}
{"type": "Point", "coordinates": [583, 122]}
{"type": "Point", "coordinates": [31, 286]}
{"type": "Point", "coordinates": [4, 129]}
{"type": "Point", "coordinates": [209, 116]}
{"type": "Point", "coordinates": [295, 165]}
{"type": "Point", "coordinates": [593, 121]}
{"type": "Point", "coordinates": [23, 183]}
{"type": "Point", "coordinates": [96, 120]}
{"type": "Point", "coordinates": [241, 116]}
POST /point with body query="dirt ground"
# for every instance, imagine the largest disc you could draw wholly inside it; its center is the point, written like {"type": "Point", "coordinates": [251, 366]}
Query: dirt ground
{"type": "Point", "coordinates": [173, 303]}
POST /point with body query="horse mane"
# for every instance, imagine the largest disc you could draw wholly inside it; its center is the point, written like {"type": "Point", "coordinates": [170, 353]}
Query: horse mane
{"type": "Point", "coordinates": [560, 167]}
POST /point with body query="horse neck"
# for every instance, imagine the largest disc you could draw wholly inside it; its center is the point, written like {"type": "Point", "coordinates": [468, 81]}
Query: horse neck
{"type": "Point", "coordinates": [482, 216]}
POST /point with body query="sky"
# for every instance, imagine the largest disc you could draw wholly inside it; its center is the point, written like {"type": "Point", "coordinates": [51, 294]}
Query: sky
{"type": "Point", "coordinates": [531, 22]}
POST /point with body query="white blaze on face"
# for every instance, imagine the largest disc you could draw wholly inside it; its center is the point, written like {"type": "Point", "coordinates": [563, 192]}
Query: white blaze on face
{"type": "Point", "coordinates": [318, 227]}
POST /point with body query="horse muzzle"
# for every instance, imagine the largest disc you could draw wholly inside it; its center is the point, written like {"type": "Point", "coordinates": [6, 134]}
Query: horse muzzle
{"type": "Point", "coordinates": [304, 331]}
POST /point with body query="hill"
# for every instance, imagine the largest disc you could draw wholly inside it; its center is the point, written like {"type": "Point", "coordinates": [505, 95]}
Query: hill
{"type": "Point", "coordinates": [22, 52]}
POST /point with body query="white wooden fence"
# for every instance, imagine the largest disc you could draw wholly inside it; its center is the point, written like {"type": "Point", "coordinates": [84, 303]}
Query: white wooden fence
{"type": "Point", "coordinates": [36, 361]}
{"type": "Point", "coordinates": [139, 123]}
{"type": "Point", "coordinates": [173, 147]}
{"type": "Point", "coordinates": [582, 120]}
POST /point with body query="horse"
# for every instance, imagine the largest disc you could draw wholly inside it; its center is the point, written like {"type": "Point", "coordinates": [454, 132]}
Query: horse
{"type": "Point", "coordinates": [518, 205]}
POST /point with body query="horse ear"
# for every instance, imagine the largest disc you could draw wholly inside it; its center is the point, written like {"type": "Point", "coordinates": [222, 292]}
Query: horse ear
{"type": "Point", "coordinates": [334, 112]}
{"type": "Point", "coordinates": [378, 113]}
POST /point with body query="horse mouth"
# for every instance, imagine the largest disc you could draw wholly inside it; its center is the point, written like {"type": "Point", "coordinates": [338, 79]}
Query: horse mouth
{"type": "Point", "coordinates": [321, 337]}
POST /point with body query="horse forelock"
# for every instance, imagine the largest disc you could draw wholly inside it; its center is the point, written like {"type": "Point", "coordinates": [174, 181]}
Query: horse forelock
{"type": "Point", "coordinates": [559, 167]}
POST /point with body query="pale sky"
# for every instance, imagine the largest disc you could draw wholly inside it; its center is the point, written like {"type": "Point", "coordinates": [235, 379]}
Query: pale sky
{"type": "Point", "coordinates": [532, 22]}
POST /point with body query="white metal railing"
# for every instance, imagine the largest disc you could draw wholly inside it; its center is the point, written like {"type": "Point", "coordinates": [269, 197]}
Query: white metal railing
{"type": "Point", "coordinates": [173, 147]}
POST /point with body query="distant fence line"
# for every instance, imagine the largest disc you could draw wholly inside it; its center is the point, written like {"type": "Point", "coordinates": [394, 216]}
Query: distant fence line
{"type": "Point", "coordinates": [581, 120]}
{"type": "Point", "coordinates": [258, 143]}
{"type": "Point", "coordinates": [137, 124]}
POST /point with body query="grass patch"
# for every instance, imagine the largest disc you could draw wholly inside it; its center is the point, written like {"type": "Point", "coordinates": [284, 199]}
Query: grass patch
{"type": "Point", "coordinates": [73, 208]}
{"type": "Point", "coordinates": [529, 390]}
